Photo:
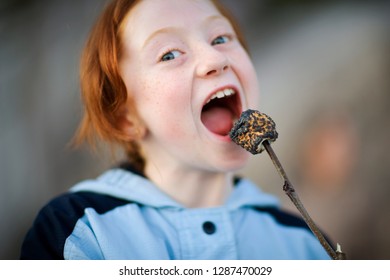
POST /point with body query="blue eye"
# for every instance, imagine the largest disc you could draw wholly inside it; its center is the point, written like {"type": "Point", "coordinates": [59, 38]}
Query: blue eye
{"type": "Point", "coordinates": [220, 40]}
{"type": "Point", "coordinates": [170, 55]}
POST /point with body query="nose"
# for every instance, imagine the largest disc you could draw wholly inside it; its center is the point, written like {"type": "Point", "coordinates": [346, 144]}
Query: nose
{"type": "Point", "coordinates": [212, 62]}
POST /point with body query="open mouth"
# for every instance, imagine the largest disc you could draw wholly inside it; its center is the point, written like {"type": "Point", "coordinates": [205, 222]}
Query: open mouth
{"type": "Point", "coordinates": [221, 110]}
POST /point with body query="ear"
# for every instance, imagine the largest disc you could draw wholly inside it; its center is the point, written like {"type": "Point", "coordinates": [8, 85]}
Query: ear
{"type": "Point", "coordinates": [130, 124]}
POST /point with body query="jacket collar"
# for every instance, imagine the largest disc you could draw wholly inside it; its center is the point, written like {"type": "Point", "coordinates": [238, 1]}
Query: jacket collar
{"type": "Point", "coordinates": [124, 184]}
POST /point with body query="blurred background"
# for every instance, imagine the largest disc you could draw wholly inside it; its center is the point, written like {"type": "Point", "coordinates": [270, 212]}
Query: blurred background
{"type": "Point", "coordinates": [324, 70]}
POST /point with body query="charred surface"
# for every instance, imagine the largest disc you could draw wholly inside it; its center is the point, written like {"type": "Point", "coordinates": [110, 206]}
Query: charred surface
{"type": "Point", "coordinates": [252, 129]}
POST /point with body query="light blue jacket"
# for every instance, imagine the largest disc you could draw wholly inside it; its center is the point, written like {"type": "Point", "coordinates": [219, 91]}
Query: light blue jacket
{"type": "Point", "coordinates": [122, 215]}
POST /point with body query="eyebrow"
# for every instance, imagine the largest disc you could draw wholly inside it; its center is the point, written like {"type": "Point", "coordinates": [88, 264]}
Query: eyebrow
{"type": "Point", "coordinates": [169, 29]}
{"type": "Point", "coordinates": [215, 17]}
{"type": "Point", "coordinates": [164, 30]}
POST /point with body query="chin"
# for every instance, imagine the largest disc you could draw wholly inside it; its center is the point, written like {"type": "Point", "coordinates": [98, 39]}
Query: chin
{"type": "Point", "coordinates": [234, 163]}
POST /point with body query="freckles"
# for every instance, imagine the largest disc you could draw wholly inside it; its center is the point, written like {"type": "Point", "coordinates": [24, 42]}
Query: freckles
{"type": "Point", "coordinates": [164, 102]}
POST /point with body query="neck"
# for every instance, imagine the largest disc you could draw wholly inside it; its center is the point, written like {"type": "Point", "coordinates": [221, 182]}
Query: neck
{"type": "Point", "coordinates": [191, 188]}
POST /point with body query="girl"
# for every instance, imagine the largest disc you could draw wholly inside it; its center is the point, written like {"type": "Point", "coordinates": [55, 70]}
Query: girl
{"type": "Point", "coordinates": [166, 79]}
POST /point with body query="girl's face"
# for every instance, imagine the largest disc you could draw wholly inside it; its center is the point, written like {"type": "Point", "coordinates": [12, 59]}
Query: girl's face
{"type": "Point", "coordinates": [190, 78]}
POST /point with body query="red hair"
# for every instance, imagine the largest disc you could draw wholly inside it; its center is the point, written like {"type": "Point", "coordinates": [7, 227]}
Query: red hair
{"type": "Point", "coordinates": [103, 90]}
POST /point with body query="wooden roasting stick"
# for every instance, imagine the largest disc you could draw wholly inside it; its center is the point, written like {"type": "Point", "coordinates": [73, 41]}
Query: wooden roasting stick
{"type": "Point", "coordinates": [254, 131]}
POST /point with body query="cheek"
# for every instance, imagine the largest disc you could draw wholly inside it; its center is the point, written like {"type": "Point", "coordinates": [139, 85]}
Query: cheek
{"type": "Point", "coordinates": [248, 77]}
{"type": "Point", "coordinates": [162, 106]}
{"type": "Point", "coordinates": [251, 84]}
{"type": "Point", "coordinates": [164, 97]}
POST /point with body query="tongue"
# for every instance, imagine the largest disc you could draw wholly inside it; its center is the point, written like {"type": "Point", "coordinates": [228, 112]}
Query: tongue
{"type": "Point", "coordinates": [218, 120]}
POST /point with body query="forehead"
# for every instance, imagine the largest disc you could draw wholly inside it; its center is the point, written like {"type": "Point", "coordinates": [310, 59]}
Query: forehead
{"type": "Point", "coordinates": [149, 16]}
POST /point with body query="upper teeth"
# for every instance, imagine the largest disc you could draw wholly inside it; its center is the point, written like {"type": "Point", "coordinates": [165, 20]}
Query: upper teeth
{"type": "Point", "coordinates": [222, 93]}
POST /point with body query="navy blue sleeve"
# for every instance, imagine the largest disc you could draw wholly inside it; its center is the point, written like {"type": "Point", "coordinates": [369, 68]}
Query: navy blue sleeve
{"type": "Point", "coordinates": [289, 219]}
{"type": "Point", "coordinates": [55, 222]}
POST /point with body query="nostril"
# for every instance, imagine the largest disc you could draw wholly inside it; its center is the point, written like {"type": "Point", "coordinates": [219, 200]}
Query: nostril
{"type": "Point", "coordinates": [211, 72]}
{"type": "Point", "coordinates": [214, 71]}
